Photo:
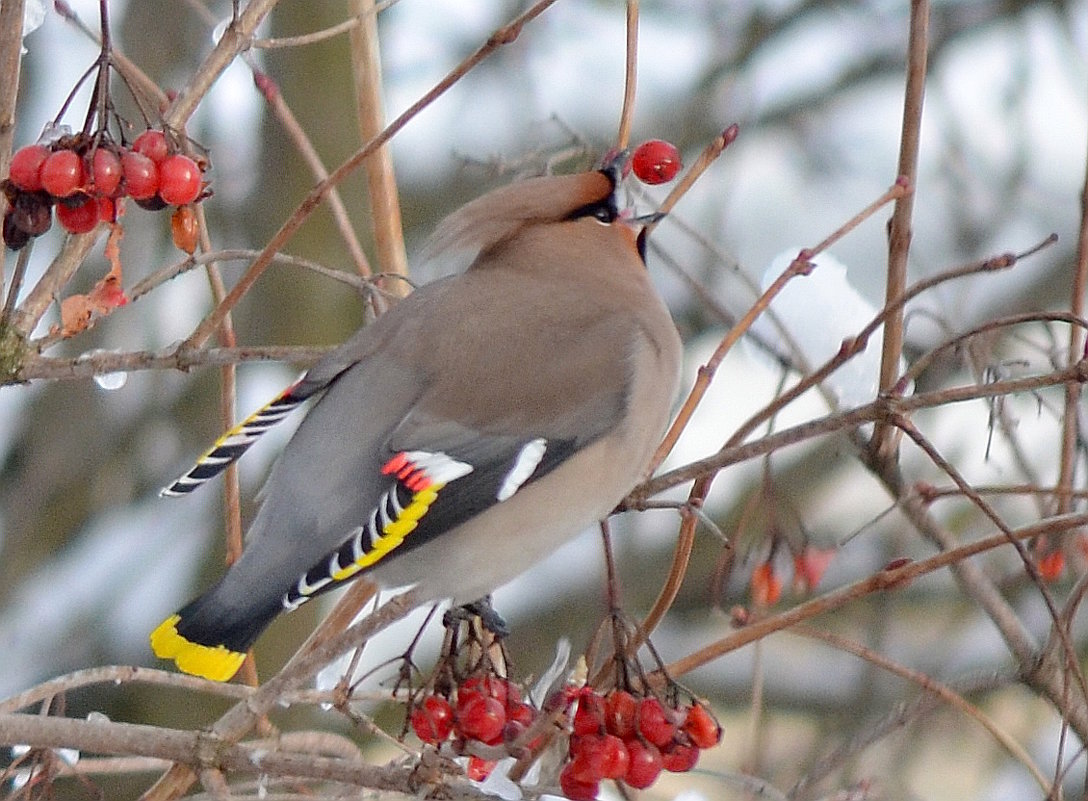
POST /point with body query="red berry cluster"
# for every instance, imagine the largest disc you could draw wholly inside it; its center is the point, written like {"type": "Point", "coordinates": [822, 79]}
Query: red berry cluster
{"type": "Point", "coordinates": [484, 708]}
{"type": "Point", "coordinates": [632, 739]}
{"type": "Point", "coordinates": [85, 176]}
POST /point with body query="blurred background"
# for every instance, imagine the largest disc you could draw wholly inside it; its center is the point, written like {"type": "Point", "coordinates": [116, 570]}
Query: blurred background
{"type": "Point", "coordinates": [91, 558]}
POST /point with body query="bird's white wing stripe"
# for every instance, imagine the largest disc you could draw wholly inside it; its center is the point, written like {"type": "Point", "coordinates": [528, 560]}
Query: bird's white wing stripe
{"type": "Point", "coordinates": [526, 462]}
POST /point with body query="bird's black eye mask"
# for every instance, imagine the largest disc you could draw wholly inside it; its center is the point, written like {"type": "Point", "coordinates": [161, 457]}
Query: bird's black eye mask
{"type": "Point", "coordinates": [604, 211]}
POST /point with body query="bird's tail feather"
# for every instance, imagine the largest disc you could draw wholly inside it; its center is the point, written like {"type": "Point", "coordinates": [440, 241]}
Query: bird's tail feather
{"type": "Point", "coordinates": [208, 638]}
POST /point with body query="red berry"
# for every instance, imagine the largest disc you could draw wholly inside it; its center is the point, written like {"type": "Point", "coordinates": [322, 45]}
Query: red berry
{"type": "Point", "coordinates": [105, 172]}
{"type": "Point", "coordinates": [587, 761]}
{"type": "Point", "coordinates": [621, 708]}
{"type": "Point", "coordinates": [26, 167]}
{"type": "Point", "coordinates": [152, 144]}
{"type": "Point", "coordinates": [576, 789]}
{"type": "Point", "coordinates": [479, 768]}
{"type": "Point", "coordinates": [502, 690]}
{"type": "Point", "coordinates": [766, 587]}
{"type": "Point", "coordinates": [598, 756]}
{"type": "Point", "coordinates": [432, 721]}
{"type": "Point", "coordinates": [654, 722]}
{"type": "Point", "coordinates": [702, 728]}
{"type": "Point", "coordinates": [481, 718]}
{"type": "Point", "coordinates": [589, 717]}
{"type": "Point", "coordinates": [80, 217]}
{"type": "Point", "coordinates": [644, 764]}
{"type": "Point", "coordinates": [179, 180]}
{"type": "Point", "coordinates": [1051, 565]}
{"type": "Point", "coordinates": [184, 229]}
{"type": "Point", "coordinates": [656, 161]}
{"type": "Point", "coordinates": [616, 758]}
{"type": "Point", "coordinates": [521, 713]}
{"type": "Point", "coordinates": [519, 717]}
{"type": "Point", "coordinates": [809, 567]}
{"type": "Point", "coordinates": [679, 757]}
{"type": "Point", "coordinates": [62, 173]}
{"type": "Point", "coordinates": [141, 175]}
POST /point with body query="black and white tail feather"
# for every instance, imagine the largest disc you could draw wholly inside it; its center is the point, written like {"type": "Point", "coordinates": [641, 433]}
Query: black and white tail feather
{"type": "Point", "coordinates": [230, 447]}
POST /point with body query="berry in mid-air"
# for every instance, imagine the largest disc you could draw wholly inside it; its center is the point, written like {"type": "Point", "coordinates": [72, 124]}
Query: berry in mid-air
{"type": "Point", "coordinates": [656, 161]}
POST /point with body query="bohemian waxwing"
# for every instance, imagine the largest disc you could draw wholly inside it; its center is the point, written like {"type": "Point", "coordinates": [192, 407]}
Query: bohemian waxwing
{"type": "Point", "coordinates": [466, 433]}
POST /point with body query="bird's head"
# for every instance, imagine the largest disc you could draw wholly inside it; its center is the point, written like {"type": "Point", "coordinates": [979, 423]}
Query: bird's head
{"type": "Point", "coordinates": [504, 213]}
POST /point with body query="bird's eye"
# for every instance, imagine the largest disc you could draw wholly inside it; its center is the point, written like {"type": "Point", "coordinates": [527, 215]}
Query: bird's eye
{"type": "Point", "coordinates": [603, 211]}
{"type": "Point", "coordinates": [604, 215]}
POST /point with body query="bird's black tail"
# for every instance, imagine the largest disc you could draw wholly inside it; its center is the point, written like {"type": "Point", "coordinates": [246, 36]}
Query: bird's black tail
{"type": "Point", "coordinates": [209, 638]}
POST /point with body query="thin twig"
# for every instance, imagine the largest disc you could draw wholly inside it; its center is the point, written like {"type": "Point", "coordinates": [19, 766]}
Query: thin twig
{"type": "Point", "coordinates": [385, 216]}
{"type": "Point", "coordinates": [11, 59]}
{"type": "Point", "coordinates": [630, 76]}
{"type": "Point", "coordinates": [320, 36]}
{"type": "Point", "coordinates": [270, 91]}
{"type": "Point", "coordinates": [235, 39]}
{"type": "Point", "coordinates": [799, 266]}
{"type": "Point", "coordinates": [870, 412]}
{"type": "Point", "coordinates": [879, 582]}
{"type": "Point", "coordinates": [57, 275]}
{"type": "Point", "coordinates": [505, 35]}
{"type": "Point", "coordinates": [1016, 643]}
{"type": "Point", "coordinates": [931, 685]}
{"type": "Point", "coordinates": [1067, 462]}
{"type": "Point", "coordinates": [98, 363]}
{"type": "Point", "coordinates": [21, 262]}
{"type": "Point", "coordinates": [899, 233]}
{"type": "Point", "coordinates": [852, 346]}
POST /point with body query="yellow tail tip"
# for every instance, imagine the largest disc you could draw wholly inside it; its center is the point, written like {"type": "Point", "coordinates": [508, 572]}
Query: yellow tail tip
{"type": "Point", "coordinates": [215, 662]}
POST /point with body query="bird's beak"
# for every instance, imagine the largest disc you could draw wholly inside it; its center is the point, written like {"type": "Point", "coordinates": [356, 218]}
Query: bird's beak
{"type": "Point", "coordinates": [616, 164]}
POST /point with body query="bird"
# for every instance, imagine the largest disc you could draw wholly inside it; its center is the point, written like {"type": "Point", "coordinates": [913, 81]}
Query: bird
{"type": "Point", "coordinates": [465, 433]}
